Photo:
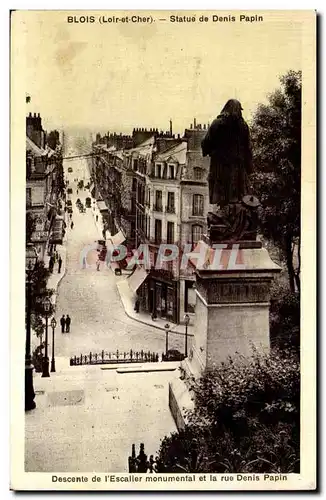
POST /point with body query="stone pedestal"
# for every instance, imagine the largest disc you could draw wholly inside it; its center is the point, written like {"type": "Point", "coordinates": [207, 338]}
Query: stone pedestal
{"type": "Point", "coordinates": [232, 304]}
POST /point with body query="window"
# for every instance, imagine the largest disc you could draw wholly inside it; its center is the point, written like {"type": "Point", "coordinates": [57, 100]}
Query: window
{"type": "Point", "coordinates": [158, 172]}
{"type": "Point", "coordinates": [198, 173]}
{"type": "Point", "coordinates": [198, 204]}
{"type": "Point", "coordinates": [170, 206]}
{"type": "Point", "coordinates": [148, 197]}
{"type": "Point", "coordinates": [28, 197]}
{"type": "Point", "coordinates": [38, 196]}
{"type": "Point", "coordinates": [158, 231]}
{"type": "Point", "coordinates": [158, 201]}
{"type": "Point", "coordinates": [135, 165]}
{"type": "Point", "coordinates": [171, 171]}
{"type": "Point", "coordinates": [197, 232]}
{"type": "Point", "coordinates": [170, 232]}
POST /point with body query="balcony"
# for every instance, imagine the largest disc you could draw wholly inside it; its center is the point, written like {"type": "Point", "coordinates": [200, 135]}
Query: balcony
{"type": "Point", "coordinates": [157, 208]}
{"type": "Point", "coordinates": [170, 210]}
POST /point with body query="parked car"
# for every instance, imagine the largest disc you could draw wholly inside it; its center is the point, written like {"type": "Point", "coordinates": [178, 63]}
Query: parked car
{"type": "Point", "coordinates": [69, 203]}
{"type": "Point", "coordinates": [78, 202]}
{"type": "Point", "coordinates": [70, 170]}
{"type": "Point", "coordinates": [88, 202]}
{"type": "Point", "coordinates": [173, 355]}
{"type": "Point", "coordinates": [69, 190]}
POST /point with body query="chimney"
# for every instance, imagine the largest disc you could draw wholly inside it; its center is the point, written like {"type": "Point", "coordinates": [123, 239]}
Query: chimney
{"type": "Point", "coordinates": [195, 123]}
{"type": "Point", "coordinates": [171, 127]}
{"type": "Point", "coordinates": [191, 126]}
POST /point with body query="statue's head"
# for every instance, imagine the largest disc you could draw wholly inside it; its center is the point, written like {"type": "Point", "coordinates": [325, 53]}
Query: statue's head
{"type": "Point", "coordinates": [233, 107]}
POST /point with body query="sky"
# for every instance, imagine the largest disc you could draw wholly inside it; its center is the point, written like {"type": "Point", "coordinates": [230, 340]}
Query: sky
{"type": "Point", "coordinates": [114, 76]}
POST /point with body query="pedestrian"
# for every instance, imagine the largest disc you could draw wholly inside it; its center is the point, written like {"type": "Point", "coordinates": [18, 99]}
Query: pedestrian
{"type": "Point", "coordinates": [137, 304]}
{"type": "Point", "coordinates": [96, 218]}
{"type": "Point", "coordinates": [63, 323]}
{"type": "Point", "coordinates": [68, 321]}
{"type": "Point", "coordinates": [59, 264]}
{"type": "Point", "coordinates": [70, 216]}
{"type": "Point", "coordinates": [72, 225]}
{"type": "Point", "coordinates": [98, 263]}
{"type": "Point", "coordinates": [51, 264]}
{"type": "Point", "coordinates": [77, 191]}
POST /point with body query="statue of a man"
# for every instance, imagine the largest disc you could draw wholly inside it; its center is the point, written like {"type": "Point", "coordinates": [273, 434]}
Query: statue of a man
{"type": "Point", "coordinates": [227, 142]}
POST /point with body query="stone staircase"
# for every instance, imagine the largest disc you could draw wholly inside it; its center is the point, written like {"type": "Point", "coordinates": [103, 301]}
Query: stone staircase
{"type": "Point", "coordinates": [87, 417]}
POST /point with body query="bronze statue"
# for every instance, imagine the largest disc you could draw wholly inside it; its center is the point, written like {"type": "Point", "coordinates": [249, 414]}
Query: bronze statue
{"type": "Point", "coordinates": [227, 142]}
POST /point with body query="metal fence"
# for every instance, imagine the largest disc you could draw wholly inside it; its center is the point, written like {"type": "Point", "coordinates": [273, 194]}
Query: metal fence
{"type": "Point", "coordinates": [116, 357]}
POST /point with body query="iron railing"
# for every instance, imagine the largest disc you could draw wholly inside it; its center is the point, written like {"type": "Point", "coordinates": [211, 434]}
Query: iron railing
{"type": "Point", "coordinates": [116, 357]}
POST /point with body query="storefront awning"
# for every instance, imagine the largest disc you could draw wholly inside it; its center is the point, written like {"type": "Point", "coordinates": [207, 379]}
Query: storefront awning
{"type": "Point", "coordinates": [102, 206]}
{"type": "Point", "coordinates": [57, 232]}
{"type": "Point", "coordinates": [137, 278]}
{"type": "Point", "coordinates": [118, 239]}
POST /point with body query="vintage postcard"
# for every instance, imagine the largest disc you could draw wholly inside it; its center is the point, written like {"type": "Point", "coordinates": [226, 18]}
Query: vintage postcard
{"type": "Point", "coordinates": [163, 198]}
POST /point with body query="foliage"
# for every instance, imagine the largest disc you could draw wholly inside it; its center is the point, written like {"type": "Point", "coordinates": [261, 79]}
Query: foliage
{"type": "Point", "coordinates": [39, 292]}
{"type": "Point", "coordinates": [276, 140]}
{"type": "Point", "coordinates": [246, 419]}
{"type": "Point", "coordinates": [285, 318]}
{"type": "Point", "coordinates": [53, 139]}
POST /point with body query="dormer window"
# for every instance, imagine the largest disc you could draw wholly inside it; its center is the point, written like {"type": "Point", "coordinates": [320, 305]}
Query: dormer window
{"type": "Point", "coordinates": [171, 170]}
{"type": "Point", "coordinates": [158, 172]}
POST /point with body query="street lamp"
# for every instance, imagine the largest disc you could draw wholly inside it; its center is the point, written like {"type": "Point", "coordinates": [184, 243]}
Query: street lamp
{"type": "Point", "coordinates": [167, 328]}
{"type": "Point", "coordinates": [31, 260]}
{"type": "Point", "coordinates": [45, 363]}
{"type": "Point", "coordinates": [186, 320]}
{"type": "Point", "coordinates": [53, 325]}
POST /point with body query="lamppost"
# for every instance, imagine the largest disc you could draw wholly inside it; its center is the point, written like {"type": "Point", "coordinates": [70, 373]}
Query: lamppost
{"type": "Point", "coordinates": [45, 363]}
{"type": "Point", "coordinates": [31, 260]}
{"type": "Point", "coordinates": [53, 325]}
{"type": "Point", "coordinates": [186, 320]}
{"type": "Point", "coordinates": [167, 328]}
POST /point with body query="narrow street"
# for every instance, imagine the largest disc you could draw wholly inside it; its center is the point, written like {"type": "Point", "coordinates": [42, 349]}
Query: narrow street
{"type": "Point", "coordinates": [90, 297]}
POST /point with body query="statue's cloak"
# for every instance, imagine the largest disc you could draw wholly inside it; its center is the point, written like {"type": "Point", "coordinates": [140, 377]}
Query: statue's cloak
{"type": "Point", "coordinates": [227, 142]}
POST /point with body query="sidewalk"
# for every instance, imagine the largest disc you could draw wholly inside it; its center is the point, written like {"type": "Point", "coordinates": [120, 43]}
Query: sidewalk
{"type": "Point", "coordinates": [128, 300]}
{"type": "Point", "coordinates": [54, 280]}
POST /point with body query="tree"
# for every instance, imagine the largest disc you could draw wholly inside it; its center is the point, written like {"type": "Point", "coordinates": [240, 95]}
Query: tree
{"type": "Point", "coordinates": [39, 292]}
{"type": "Point", "coordinates": [276, 140]}
{"type": "Point", "coordinates": [53, 139]}
{"type": "Point", "coordinates": [246, 419]}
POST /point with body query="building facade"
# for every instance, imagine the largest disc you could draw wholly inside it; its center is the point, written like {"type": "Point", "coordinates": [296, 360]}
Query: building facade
{"type": "Point", "coordinates": [156, 193]}
{"type": "Point", "coordinates": [44, 186]}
